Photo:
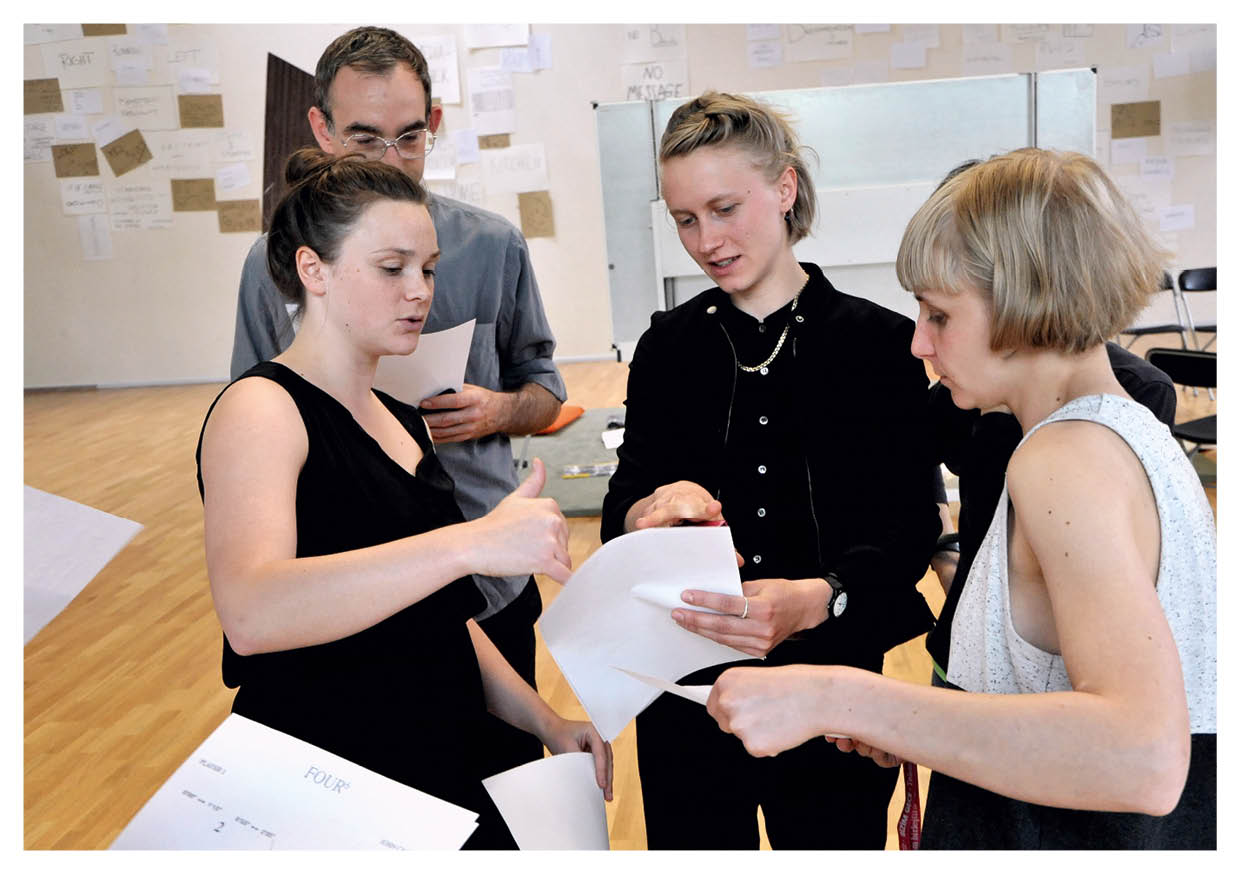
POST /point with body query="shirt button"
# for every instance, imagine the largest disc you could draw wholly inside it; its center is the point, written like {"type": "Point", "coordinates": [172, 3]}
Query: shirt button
{"type": "Point", "coordinates": [710, 310]}
{"type": "Point", "coordinates": [800, 318]}
{"type": "Point", "coordinates": [761, 468]}
{"type": "Point", "coordinates": [761, 329]}
{"type": "Point", "coordinates": [762, 420]}
{"type": "Point", "coordinates": [757, 559]}
{"type": "Point", "coordinates": [761, 512]}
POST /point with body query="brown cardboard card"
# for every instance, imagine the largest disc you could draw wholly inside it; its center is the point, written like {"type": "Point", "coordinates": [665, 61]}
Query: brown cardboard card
{"type": "Point", "coordinates": [201, 110]}
{"type": "Point", "coordinates": [238, 216]}
{"type": "Point", "coordinates": [1135, 119]}
{"type": "Point", "coordinates": [75, 159]}
{"type": "Point", "coordinates": [103, 30]}
{"type": "Point", "coordinates": [43, 95]}
{"type": "Point", "coordinates": [494, 141]}
{"type": "Point", "coordinates": [126, 153]}
{"type": "Point", "coordinates": [537, 219]}
{"type": "Point", "coordinates": [193, 195]}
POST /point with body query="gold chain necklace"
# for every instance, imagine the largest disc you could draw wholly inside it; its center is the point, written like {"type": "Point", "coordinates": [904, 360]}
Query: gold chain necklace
{"type": "Point", "coordinates": [762, 368]}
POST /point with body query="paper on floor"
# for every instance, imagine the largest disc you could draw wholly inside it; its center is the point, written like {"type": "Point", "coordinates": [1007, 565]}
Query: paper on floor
{"type": "Point", "coordinates": [250, 787]}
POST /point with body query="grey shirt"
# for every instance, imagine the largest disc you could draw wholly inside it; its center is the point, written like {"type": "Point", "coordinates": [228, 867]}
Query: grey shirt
{"type": "Point", "coordinates": [484, 273]}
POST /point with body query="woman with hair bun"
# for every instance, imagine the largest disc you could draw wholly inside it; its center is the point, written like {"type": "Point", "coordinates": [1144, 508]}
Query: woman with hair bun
{"type": "Point", "coordinates": [339, 562]}
{"type": "Point", "coordinates": [794, 412]}
{"type": "Point", "coordinates": [1083, 713]}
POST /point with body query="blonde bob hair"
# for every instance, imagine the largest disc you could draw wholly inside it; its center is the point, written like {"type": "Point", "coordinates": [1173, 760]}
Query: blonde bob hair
{"type": "Point", "coordinates": [719, 119]}
{"type": "Point", "coordinates": [1047, 238]}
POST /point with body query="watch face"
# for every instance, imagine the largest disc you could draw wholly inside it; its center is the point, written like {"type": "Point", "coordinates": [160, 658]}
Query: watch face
{"type": "Point", "coordinates": [841, 602]}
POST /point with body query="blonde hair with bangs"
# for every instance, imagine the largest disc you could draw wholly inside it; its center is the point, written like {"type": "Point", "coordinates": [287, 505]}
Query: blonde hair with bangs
{"type": "Point", "coordinates": [719, 119]}
{"type": "Point", "coordinates": [1047, 238]}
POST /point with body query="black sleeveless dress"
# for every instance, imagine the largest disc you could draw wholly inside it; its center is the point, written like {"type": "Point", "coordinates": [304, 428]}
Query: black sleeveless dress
{"type": "Point", "coordinates": [404, 697]}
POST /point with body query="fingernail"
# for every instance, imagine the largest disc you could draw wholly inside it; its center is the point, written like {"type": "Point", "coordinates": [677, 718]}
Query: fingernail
{"type": "Point", "coordinates": [678, 615]}
{"type": "Point", "coordinates": [687, 597]}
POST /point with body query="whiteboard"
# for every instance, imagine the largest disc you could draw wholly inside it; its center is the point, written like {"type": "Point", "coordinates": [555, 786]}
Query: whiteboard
{"type": "Point", "coordinates": [877, 151]}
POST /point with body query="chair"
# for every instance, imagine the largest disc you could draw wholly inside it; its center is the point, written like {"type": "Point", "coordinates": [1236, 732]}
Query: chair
{"type": "Point", "coordinates": [1158, 315]}
{"type": "Point", "coordinates": [1198, 369]}
{"type": "Point", "coordinates": [1199, 279]}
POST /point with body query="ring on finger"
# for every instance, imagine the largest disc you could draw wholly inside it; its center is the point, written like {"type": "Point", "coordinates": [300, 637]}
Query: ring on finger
{"type": "Point", "coordinates": [746, 613]}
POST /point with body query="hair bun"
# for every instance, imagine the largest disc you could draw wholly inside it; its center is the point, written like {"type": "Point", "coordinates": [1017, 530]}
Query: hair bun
{"type": "Point", "coordinates": [306, 162]}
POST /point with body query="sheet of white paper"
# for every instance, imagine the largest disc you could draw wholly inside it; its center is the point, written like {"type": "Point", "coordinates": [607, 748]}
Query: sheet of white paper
{"type": "Point", "coordinates": [763, 31]}
{"type": "Point", "coordinates": [1142, 35]}
{"type": "Point", "coordinates": [492, 102]}
{"type": "Point", "coordinates": [1123, 84]}
{"type": "Point", "coordinates": [110, 128]}
{"type": "Point", "coordinates": [197, 80]}
{"type": "Point", "coordinates": [516, 59]}
{"type": "Point", "coordinates": [130, 50]}
{"type": "Point", "coordinates": [466, 142]}
{"type": "Point", "coordinates": [147, 108]}
{"type": "Point", "coordinates": [1158, 166]}
{"type": "Point", "coordinates": [40, 33]}
{"type": "Point", "coordinates": [65, 545]}
{"type": "Point", "coordinates": [516, 168]}
{"type": "Point", "coordinates": [72, 127]}
{"type": "Point", "coordinates": [1059, 53]}
{"type": "Point", "coordinates": [140, 206]}
{"type": "Point", "coordinates": [908, 56]}
{"type": "Point", "coordinates": [597, 621]}
{"type": "Point", "coordinates": [436, 365]}
{"type": "Point", "coordinates": [921, 34]}
{"type": "Point", "coordinates": [481, 36]}
{"type": "Point", "coordinates": [96, 237]}
{"type": "Point", "coordinates": [180, 154]}
{"type": "Point", "coordinates": [1168, 64]}
{"type": "Point", "coordinates": [872, 28]}
{"type": "Point", "coordinates": [440, 164]}
{"type": "Point", "coordinates": [231, 177]}
{"type": "Point", "coordinates": [765, 53]}
{"type": "Point", "coordinates": [79, 63]}
{"type": "Point", "coordinates": [613, 437]}
{"type": "Point", "coordinates": [39, 133]}
{"type": "Point", "coordinates": [1192, 37]}
{"type": "Point", "coordinates": [1190, 138]}
{"type": "Point", "coordinates": [250, 787]}
{"type": "Point", "coordinates": [652, 42]}
{"type": "Point", "coordinates": [818, 42]}
{"type": "Point", "coordinates": [1128, 150]}
{"type": "Point", "coordinates": [1181, 217]}
{"type": "Point", "coordinates": [655, 80]}
{"type": "Point", "coordinates": [540, 51]}
{"type": "Point", "coordinates": [83, 101]}
{"type": "Point", "coordinates": [552, 803]}
{"type": "Point", "coordinates": [971, 34]}
{"type": "Point", "coordinates": [156, 34]}
{"type": "Point", "coordinates": [441, 61]}
{"type": "Point", "coordinates": [986, 58]}
{"type": "Point", "coordinates": [692, 693]}
{"type": "Point", "coordinates": [82, 197]}
{"type": "Point", "coordinates": [230, 146]}
{"type": "Point", "coordinates": [834, 77]}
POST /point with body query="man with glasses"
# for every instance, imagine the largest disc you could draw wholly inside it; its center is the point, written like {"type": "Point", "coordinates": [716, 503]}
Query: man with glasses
{"type": "Point", "coordinates": [372, 97]}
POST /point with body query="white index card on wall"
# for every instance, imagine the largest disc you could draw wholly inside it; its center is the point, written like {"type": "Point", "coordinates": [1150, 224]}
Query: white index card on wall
{"type": "Point", "coordinates": [492, 102]}
{"type": "Point", "coordinates": [906, 56]}
{"type": "Point", "coordinates": [83, 101]}
{"type": "Point", "coordinates": [652, 42]}
{"type": "Point", "coordinates": [515, 169]}
{"type": "Point", "coordinates": [1177, 218]}
{"type": "Point", "coordinates": [72, 127]}
{"type": "Point", "coordinates": [762, 31]}
{"type": "Point", "coordinates": [1168, 64]}
{"type": "Point", "coordinates": [82, 197]}
{"type": "Point", "coordinates": [441, 60]}
{"type": "Point", "coordinates": [765, 53]}
{"type": "Point", "coordinates": [818, 42]}
{"type": "Point", "coordinates": [482, 36]}
{"type": "Point", "coordinates": [39, 132]}
{"type": "Point", "coordinates": [33, 34]}
{"type": "Point", "coordinates": [80, 63]}
{"type": "Point", "coordinates": [96, 237]}
{"type": "Point", "coordinates": [986, 59]}
{"type": "Point", "coordinates": [147, 108]}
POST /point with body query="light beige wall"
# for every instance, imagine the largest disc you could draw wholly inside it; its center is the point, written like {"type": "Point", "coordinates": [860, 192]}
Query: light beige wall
{"type": "Point", "coordinates": [162, 309]}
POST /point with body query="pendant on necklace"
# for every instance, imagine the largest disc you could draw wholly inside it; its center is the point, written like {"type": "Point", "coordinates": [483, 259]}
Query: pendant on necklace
{"type": "Point", "coordinates": [764, 371]}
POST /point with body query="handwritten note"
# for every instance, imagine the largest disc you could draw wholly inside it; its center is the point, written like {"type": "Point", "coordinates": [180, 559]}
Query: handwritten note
{"type": "Point", "coordinates": [84, 101]}
{"type": "Point", "coordinates": [38, 135]}
{"type": "Point", "coordinates": [652, 42]}
{"type": "Point", "coordinates": [655, 80]}
{"type": "Point", "coordinates": [492, 102]}
{"type": "Point", "coordinates": [140, 206]}
{"type": "Point", "coordinates": [181, 154]}
{"type": "Point", "coordinates": [231, 177]}
{"type": "Point", "coordinates": [986, 59]}
{"type": "Point", "coordinates": [1186, 138]}
{"type": "Point", "coordinates": [96, 237]}
{"type": "Point", "coordinates": [516, 169]}
{"type": "Point", "coordinates": [82, 197]}
{"type": "Point", "coordinates": [819, 42]}
{"type": "Point", "coordinates": [147, 108]}
{"type": "Point", "coordinates": [441, 60]}
{"type": "Point", "coordinates": [81, 63]}
{"type": "Point", "coordinates": [466, 143]}
{"type": "Point", "coordinates": [765, 53]}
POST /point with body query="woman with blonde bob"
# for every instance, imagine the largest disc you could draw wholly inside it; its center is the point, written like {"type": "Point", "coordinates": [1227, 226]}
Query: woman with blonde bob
{"type": "Point", "coordinates": [761, 402]}
{"type": "Point", "coordinates": [1083, 647]}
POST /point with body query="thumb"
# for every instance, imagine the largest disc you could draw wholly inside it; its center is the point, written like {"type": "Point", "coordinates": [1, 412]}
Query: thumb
{"type": "Point", "coordinates": [533, 483]}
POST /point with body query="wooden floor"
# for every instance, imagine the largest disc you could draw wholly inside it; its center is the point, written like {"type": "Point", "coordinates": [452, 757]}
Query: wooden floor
{"type": "Point", "coordinates": [125, 682]}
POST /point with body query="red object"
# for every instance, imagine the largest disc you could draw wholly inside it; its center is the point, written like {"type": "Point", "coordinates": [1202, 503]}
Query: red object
{"type": "Point", "coordinates": [568, 412]}
{"type": "Point", "coordinates": [909, 826]}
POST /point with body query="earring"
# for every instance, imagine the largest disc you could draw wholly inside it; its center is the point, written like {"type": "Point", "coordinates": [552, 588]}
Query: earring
{"type": "Point", "coordinates": [788, 216]}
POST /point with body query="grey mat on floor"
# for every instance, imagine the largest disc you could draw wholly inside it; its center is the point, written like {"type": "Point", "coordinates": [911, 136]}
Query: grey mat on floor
{"type": "Point", "coordinates": [578, 442]}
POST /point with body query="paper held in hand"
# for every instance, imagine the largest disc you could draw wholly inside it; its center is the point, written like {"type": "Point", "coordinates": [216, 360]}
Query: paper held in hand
{"type": "Point", "coordinates": [615, 611]}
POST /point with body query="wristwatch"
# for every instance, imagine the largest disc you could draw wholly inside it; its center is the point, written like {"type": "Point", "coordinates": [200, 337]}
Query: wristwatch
{"type": "Point", "coordinates": [839, 597]}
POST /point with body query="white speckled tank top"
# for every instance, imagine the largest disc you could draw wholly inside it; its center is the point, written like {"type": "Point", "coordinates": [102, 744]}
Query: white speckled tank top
{"type": "Point", "coordinates": [987, 655]}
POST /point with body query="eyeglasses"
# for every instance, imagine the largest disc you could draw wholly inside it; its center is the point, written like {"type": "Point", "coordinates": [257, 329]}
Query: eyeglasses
{"type": "Point", "coordinates": [411, 145]}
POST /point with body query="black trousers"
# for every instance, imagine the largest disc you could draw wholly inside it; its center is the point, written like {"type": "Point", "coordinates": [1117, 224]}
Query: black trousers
{"type": "Point", "coordinates": [701, 789]}
{"type": "Point", "coordinates": [512, 632]}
